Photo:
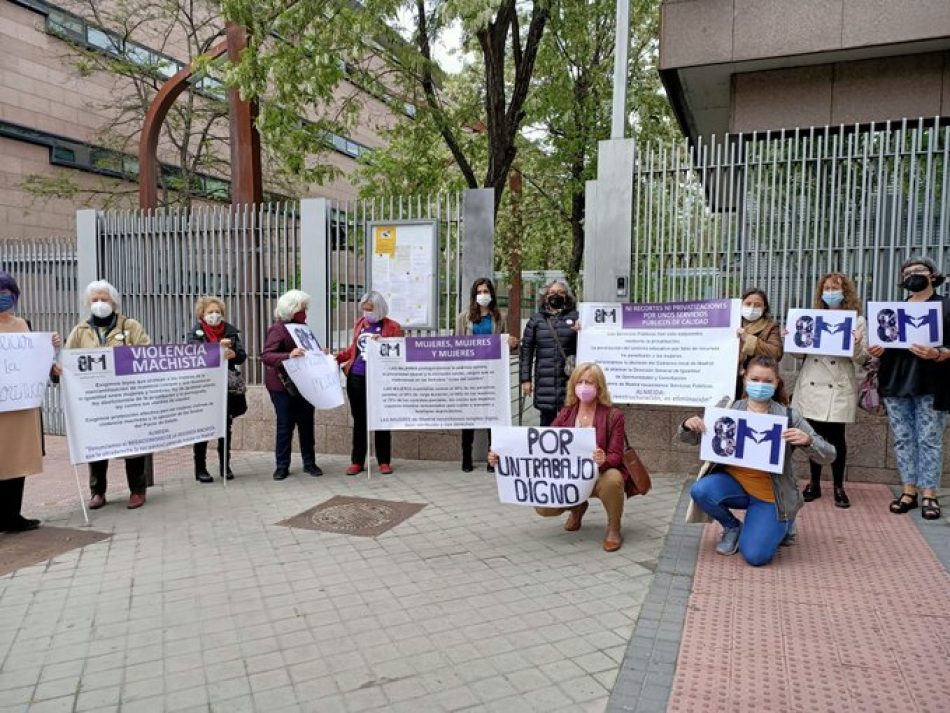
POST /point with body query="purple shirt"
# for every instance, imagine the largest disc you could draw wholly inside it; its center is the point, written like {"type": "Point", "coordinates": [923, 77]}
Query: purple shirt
{"type": "Point", "coordinates": [359, 364]}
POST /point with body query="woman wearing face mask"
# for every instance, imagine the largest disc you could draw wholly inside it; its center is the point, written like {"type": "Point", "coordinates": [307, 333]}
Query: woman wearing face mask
{"type": "Point", "coordinates": [108, 327]}
{"type": "Point", "coordinates": [759, 334]}
{"type": "Point", "coordinates": [291, 409]}
{"type": "Point", "coordinates": [589, 405]}
{"type": "Point", "coordinates": [548, 344]}
{"type": "Point", "coordinates": [826, 392]}
{"type": "Point", "coordinates": [373, 324]}
{"type": "Point", "coordinates": [771, 500]}
{"type": "Point", "coordinates": [21, 434]}
{"type": "Point", "coordinates": [211, 328]}
{"type": "Point", "coordinates": [481, 317]}
{"type": "Point", "coordinates": [914, 384]}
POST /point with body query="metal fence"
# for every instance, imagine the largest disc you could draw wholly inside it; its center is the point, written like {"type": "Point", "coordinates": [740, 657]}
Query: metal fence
{"type": "Point", "coordinates": [45, 271]}
{"type": "Point", "coordinates": [778, 210]}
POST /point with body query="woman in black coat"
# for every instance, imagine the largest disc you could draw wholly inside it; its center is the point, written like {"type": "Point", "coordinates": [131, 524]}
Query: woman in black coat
{"type": "Point", "coordinates": [549, 341]}
{"type": "Point", "coordinates": [210, 327]}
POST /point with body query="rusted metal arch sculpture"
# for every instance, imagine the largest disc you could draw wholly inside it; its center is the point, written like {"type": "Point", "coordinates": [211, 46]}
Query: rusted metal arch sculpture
{"type": "Point", "coordinates": [246, 181]}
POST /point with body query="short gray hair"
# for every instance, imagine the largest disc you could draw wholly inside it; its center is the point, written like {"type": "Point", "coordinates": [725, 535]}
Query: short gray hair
{"type": "Point", "coordinates": [291, 302]}
{"type": "Point", "coordinates": [100, 286]}
{"type": "Point", "coordinates": [571, 299]}
{"type": "Point", "coordinates": [378, 301]}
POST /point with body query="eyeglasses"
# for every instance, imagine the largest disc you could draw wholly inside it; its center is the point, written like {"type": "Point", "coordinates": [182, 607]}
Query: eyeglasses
{"type": "Point", "coordinates": [918, 271]}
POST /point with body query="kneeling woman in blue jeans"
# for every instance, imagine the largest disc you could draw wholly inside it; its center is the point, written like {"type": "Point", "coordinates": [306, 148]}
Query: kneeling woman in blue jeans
{"type": "Point", "coordinates": [771, 500]}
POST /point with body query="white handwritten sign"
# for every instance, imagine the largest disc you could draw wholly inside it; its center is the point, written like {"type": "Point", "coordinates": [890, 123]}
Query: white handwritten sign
{"type": "Point", "coordinates": [752, 440]}
{"type": "Point", "coordinates": [898, 325]}
{"type": "Point", "coordinates": [25, 361]}
{"type": "Point", "coordinates": [317, 377]}
{"type": "Point", "coordinates": [821, 331]}
{"type": "Point", "coordinates": [546, 467]}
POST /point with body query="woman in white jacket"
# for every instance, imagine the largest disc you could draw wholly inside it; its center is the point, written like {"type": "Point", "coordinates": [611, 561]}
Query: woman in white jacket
{"type": "Point", "coordinates": [826, 392]}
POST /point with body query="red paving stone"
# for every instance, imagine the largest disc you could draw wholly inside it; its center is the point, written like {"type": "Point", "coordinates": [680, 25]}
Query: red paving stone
{"type": "Point", "coordinates": [55, 489]}
{"type": "Point", "coordinates": [855, 617]}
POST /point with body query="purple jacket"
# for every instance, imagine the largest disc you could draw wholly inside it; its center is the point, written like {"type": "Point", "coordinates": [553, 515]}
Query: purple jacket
{"type": "Point", "coordinates": [277, 347]}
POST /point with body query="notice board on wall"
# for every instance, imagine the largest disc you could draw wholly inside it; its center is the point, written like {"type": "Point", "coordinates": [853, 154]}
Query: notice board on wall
{"type": "Point", "coordinates": [403, 266]}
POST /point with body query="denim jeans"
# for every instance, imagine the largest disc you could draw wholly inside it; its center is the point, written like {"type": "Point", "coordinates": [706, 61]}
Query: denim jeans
{"type": "Point", "coordinates": [918, 439]}
{"type": "Point", "coordinates": [762, 531]}
{"type": "Point", "coordinates": [292, 411]}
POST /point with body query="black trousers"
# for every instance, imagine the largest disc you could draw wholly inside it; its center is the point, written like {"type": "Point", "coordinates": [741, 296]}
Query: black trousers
{"type": "Point", "coordinates": [292, 411]}
{"type": "Point", "coordinates": [834, 434]}
{"type": "Point", "coordinates": [468, 438]}
{"type": "Point", "coordinates": [356, 393]}
{"type": "Point", "coordinates": [548, 416]}
{"type": "Point", "coordinates": [11, 500]}
{"type": "Point", "coordinates": [224, 459]}
{"type": "Point", "coordinates": [134, 474]}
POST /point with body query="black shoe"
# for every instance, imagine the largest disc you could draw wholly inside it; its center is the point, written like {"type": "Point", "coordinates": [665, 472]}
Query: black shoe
{"type": "Point", "coordinates": [228, 473]}
{"type": "Point", "coordinates": [281, 473]}
{"type": "Point", "coordinates": [490, 468]}
{"type": "Point", "coordinates": [202, 475]}
{"type": "Point", "coordinates": [21, 524]}
{"type": "Point", "coordinates": [313, 469]}
{"type": "Point", "coordinates": [841, 498]}
{"type": "Point", "coordinates": [467, 466]}
{"type": "Point", "coordinates": [811, 492]}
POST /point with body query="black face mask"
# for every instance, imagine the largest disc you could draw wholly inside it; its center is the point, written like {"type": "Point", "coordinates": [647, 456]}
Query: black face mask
{"type": "Point", "coordinates": [557, 301]}
{"type": "Point", "coordinates": [916, 283]}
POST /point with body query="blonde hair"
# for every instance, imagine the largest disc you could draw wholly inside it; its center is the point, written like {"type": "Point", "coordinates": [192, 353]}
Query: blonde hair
{"type": "Point", "coordinates": [201, 306]}
{"type": "Point", "coordinates": [597, 376]}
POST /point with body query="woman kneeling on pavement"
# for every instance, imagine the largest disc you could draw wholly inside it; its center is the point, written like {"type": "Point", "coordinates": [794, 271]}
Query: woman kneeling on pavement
{"type": "Point", "coordinates": [771, 500]}
{"type": "Point", "coordinates": [108, 327]}
{"type": "Point", "coordinates": [588, 404]}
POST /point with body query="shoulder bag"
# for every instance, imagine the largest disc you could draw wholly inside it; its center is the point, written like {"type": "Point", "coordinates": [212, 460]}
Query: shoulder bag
{"type": "Point", "coordinates": [569, 361]}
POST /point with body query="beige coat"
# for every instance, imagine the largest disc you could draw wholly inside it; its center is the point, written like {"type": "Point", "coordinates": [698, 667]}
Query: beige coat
{"type": "Point", "coordinates": [21, 440]}
{"type": "Point", "coordinates": [126, 332]}
{"type": "Point", "coordinates": [827, 387]}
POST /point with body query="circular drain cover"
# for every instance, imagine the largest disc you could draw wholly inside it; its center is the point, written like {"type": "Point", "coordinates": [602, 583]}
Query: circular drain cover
{"type": "Point", "coordinates": [350, 517]}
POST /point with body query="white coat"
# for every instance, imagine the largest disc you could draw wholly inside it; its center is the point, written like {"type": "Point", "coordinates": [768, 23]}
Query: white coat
{"type": "Point", "coordinates": [827, 386]}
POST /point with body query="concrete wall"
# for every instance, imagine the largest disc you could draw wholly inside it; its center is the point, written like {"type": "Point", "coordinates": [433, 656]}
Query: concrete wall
{"type": "Point", "coordinates": [888, 88]}
{"type": "Point", "coordinates": [651, 431]}
{"type": "Point", "coordinates": [701, 32]}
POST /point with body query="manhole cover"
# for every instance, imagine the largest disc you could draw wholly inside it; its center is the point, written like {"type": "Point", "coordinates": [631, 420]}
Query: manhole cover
{"type": "Point", "coordinates": [26, 548]}
{"type": "Point", "coordinates": [354, 516]}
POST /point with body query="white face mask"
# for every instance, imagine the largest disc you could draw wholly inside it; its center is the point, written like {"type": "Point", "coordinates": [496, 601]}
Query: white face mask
{"type": "Point", "coordinates": [101, 309]}
{"type": "Point", "coordinates": [213, 318]}
{"type": "Point", "coordinates": [483, 300]}
{"type": "Point", "coordinates": [751, 313]}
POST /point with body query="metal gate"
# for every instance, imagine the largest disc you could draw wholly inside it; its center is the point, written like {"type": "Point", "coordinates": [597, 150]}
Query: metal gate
{"type": "Point", "coordinates": [777, 210]}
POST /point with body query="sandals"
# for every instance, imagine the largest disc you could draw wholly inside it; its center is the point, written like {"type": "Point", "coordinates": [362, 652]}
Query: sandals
{"type": "Point", "coordinates": [930, 508]}
{"type": "Point", "coordinates": [906, 501]}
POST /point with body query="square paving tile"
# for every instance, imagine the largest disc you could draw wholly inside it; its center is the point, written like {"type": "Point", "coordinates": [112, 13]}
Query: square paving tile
{"type": "Point", "coordinates": [347, 515]}
{"type": "Point", "coordinates": [25, 548]}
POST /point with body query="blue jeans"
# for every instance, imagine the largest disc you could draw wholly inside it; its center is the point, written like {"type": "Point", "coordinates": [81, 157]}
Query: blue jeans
{"type": "Point", "coordinates": [918, 439]}
{"type": "Point", "coordinates": [292, 411]}
{"type": "Point", "coordinates": [762, 532]}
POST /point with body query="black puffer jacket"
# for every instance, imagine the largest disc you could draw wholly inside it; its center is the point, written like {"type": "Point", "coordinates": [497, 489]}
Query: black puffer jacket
{"type": "Point", "coordinates": [538, 349]}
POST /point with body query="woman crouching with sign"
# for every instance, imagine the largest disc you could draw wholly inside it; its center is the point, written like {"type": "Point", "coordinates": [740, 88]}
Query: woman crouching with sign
{"type": "Point", "coordinates": [588, 405]}
{"type": "Point", "coordinates": [771, 500]}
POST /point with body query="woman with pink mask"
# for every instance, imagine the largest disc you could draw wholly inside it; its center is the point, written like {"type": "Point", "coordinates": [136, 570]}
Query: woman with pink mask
{"type": "Point", "coordinates": [372, 324]}
{"type": "Point", "coordinates": [588, 405]}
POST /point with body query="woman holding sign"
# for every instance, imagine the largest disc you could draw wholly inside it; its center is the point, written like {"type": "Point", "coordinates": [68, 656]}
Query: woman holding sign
{"type": "Point", "coordinates": [481, 317]}
{"type": "Point", "coordinates": [291, 409]}
{"type": "Point", "coordinates": [589, 405]}
{"type": "Point", "coordinates": [914, 384]}
{"type": "Point", "coordinates": [771, 500]}
{"type": "Point", "coordinates": [826, 392]}
{"type": "Point", "coordinates": [759, 334]}
{"type": "Point", "coordinates": [108, 327]}
{"type": "Point", "coordinates": [21, 432]}
{"type": "Point", "coordinates": [210, 327]}
{"type": "Point", "coordinates": [549, 347]}
{"type": "Point", "coordinates": [373, 324]}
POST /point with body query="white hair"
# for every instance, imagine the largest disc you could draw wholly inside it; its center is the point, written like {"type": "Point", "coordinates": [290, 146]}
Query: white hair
{"type": "Point", "coordinates": [291, 302]}
{"type": "Point", "coordinates": [378, 301]}
{"type": "Point", "coordinates": [100, 286]}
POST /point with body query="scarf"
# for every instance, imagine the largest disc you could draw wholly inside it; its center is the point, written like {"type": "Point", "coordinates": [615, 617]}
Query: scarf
{"type": "Point", "coordinates": [214, 334]}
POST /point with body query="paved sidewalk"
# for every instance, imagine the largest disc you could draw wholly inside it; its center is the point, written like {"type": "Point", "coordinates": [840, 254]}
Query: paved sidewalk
{"type": "Point", "coordinates": [199, 601]}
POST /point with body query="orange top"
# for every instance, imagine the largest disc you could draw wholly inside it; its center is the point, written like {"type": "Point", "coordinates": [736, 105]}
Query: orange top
{"type": "Point", "coordinates": [756, 483]}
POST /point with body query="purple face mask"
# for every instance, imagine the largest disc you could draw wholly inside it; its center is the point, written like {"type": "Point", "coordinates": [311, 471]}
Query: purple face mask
{"type": "Point", "coordinates": [585, 392]}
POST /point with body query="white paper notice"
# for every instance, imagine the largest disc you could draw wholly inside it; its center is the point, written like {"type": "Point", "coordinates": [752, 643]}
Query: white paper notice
{"type": "Point", "coordinates": [752, 440]}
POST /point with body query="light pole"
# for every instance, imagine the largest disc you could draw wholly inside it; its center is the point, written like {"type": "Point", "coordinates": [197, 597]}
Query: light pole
{"type": "Point", "coordinates": [618, 119]}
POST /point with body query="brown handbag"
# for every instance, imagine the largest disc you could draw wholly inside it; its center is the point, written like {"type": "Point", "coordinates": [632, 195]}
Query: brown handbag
{"type": "Point", "coordinates": [638, 477]}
